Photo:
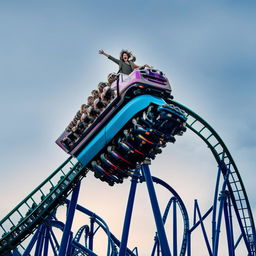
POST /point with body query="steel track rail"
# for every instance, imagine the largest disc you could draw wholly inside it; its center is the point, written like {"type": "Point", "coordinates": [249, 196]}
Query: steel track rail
{"type": "Point", "coordinates": [235, 185]}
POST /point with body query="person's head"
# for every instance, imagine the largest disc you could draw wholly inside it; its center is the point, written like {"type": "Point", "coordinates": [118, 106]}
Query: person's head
{"type": "Point", "coordinates": [101, 85]}
{"type": "Point", "coordinates": [111, 78]}
{"type": "Point", "coordinates": [95, 94]}
{"type": "Point", "coordinates": [90, 100]}
{"type": "Point", "coordinates": [78, 114]}
{"type": "Point", "coordinates": [84, 108]}
{"type": "Point", "coordinates": [93, 112]}
{"type": "Point", "coordinates": [126, 55]}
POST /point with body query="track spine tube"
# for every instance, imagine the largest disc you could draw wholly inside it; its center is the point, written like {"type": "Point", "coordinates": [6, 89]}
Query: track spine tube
{"type": "Point", "coordinates": [128, 214]}
{"type": "Point", "coordinates": [156, 210]}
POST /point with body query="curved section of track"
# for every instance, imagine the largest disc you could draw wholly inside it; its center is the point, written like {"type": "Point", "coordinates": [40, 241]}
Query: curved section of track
{"type": "Point", "coordinates": [225, 161]}
{"type": "Point", "coordinates": [182, 208]}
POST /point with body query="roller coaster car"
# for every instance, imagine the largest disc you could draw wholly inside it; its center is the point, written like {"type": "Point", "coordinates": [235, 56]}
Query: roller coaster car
{"type": "Point", "coordinates": [134, 126]}
{"type": "Point", "coordinates": [139, 82]}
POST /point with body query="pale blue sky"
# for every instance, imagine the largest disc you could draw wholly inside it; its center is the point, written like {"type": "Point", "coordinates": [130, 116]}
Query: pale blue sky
{"type": "Point", "coordinates": [49, 64]}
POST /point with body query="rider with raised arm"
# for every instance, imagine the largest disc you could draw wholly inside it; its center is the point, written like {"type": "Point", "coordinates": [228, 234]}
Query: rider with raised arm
{"type": "Point", "coordinates": [125, 62]}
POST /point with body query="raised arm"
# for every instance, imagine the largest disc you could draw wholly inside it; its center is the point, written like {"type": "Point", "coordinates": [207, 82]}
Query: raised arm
{"type": "Point", "coordinates": [109, 57]}
{"type": "Point", "coordinates": [103, 53]}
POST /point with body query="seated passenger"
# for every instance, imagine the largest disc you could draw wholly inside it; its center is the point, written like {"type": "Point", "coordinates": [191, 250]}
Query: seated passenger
{"type": "Point", "coordinates": [107, 95]}
{"type": "Point", "coordinates": [93, 112]}
{"type": "Point", "coordinates": [101, 86]}
{"type": "Point", "coordinates": [70, 126]}
{"type": "Point", "coordinates": [99, 104]}
{"type": "Point", "coordinates": [81, 125]}
{"type": "Point", "coordinates": [76, 132]}
{"type": "Point", "coordinates": [77, 116]}
{"type": "Point", "coordinates": [125, 62]}
{"type": "Point", "coordinates": [112, 77]}
{"type": "Point", "coordinates": [90, 100]}
{"type": "Point", "coordinates": [85, 119]}
{"type": "Point", "coordinates": [95, 94]}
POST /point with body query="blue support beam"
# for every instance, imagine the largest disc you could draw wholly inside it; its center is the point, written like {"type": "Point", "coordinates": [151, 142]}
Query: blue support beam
{"type": "Point", "coordinates": [69, 221]}
{"type": "Point", "coordinates": [189, 243]}
{"type": "Point", "coordinates": [31, 243]}
{"type": "Point", "coordinates": [91, 233]}
{"type": "Point", "coordinates": [229, 234]}
{"type": "Point", "coordinates": [175, 245]}
{"type": "Point", "coordinates": [203, 228]}
{"type": "Point", "coordinates": [128, 214]}
{"type": "Point", "coordinates": [156, 211]}
{"type": "Point", "coordinates": [46, 243]}
{"type": "Point", "coordinates": [16, 253]}
{"type": "Point", "coordinates": [231, 224]}
{"type": "Point", "coordinates": [40, 240]}
{"type": "Point", "coordinates": [215, 204]}
{"type": "Point", "coordinates": [54, 240]}
{"type": "Point", "coordinates": [52, 246]}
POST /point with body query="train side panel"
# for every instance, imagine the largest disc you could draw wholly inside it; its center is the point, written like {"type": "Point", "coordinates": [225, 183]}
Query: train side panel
{"type": "Point", "coordinates": [115, 125]}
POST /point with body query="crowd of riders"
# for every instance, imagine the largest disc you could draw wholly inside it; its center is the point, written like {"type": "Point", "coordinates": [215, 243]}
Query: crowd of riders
{"type": "Point", "coordinates": [89, 111]}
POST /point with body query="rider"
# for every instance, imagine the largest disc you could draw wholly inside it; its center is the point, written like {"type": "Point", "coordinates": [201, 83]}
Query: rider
{"type": "Point", "coordinates": [125, 62]}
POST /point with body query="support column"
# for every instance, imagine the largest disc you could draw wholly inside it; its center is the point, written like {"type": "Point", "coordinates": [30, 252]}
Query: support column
{"type": "Point", "coordinates": [46, 242]}
{"type": "Point", "coordinates": [69, 221]}
{"type": "Point", "coordinates": [217, 234]}
{"type": "Point", "coordinates": [40, 240]}
{"type": "Point", "coordinates": [215, 204]}
{"type": "Point", "coordinates": [229, 231]}
{"type": "Point", "coordinates": [156, 211]}
{"type": "Point", "coordinates": [175, 245]}
{"type": "Point", "coordinates": [91, 233]}
{"type": "Point", "coordinates": [128, 214]}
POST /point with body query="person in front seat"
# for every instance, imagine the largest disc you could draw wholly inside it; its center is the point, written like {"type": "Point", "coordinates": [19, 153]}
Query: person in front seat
{"type": "Point", "coordinates": [125, 62]}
